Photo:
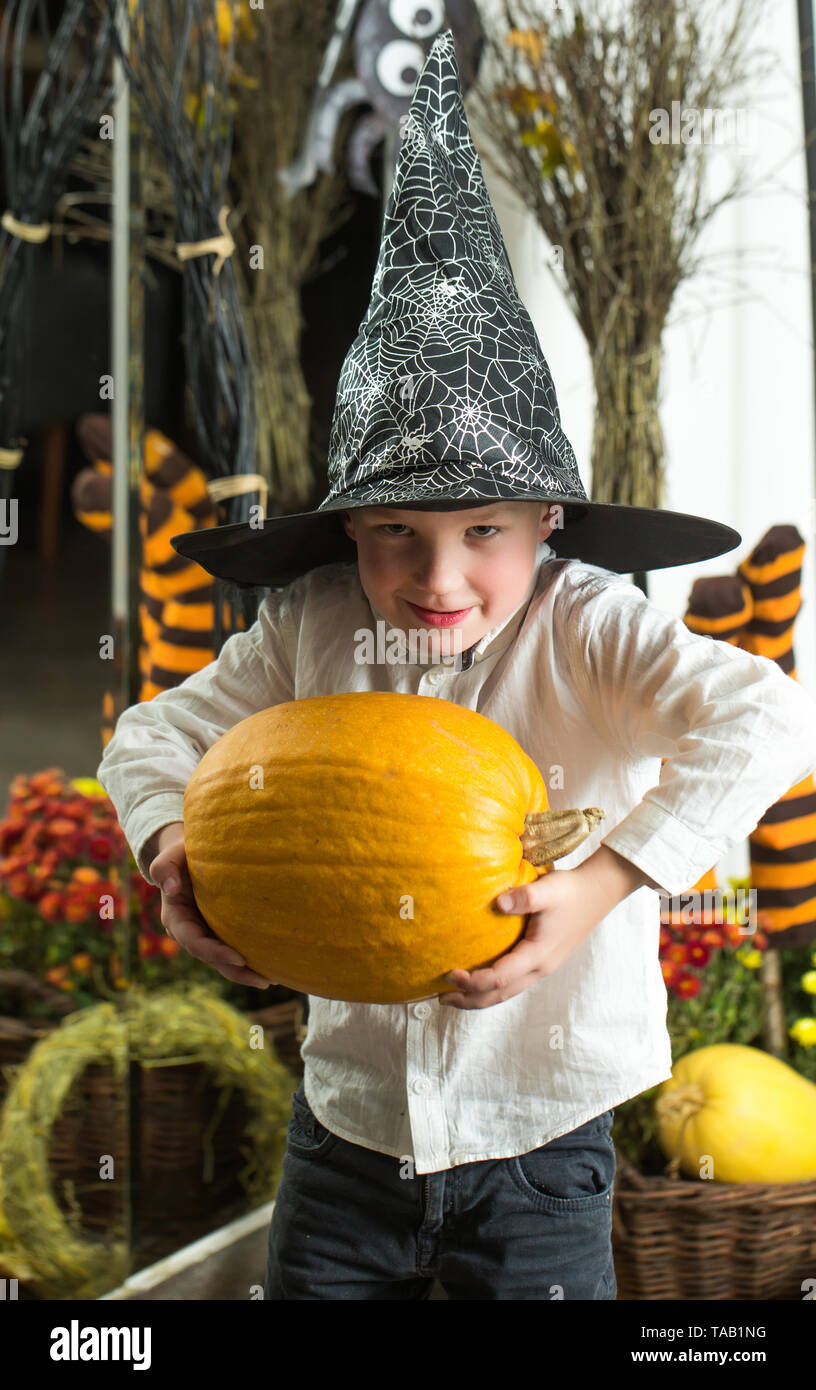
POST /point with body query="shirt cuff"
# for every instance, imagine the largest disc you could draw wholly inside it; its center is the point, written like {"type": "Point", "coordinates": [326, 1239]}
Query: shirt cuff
{"type": "Point", "coordinates": [143, 822]}
{"type": "Point", "coordinates": [673, 856]}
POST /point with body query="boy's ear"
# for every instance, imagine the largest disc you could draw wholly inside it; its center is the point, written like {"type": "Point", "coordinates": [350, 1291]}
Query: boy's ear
{"type": "Point", "coordinates": [345, 517]}
{"type": "Point", "coordinates": [547, 523]}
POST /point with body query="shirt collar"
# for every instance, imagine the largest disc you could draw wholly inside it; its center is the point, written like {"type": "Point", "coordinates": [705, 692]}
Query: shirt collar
{"type": "Point", "coordinates": [493, 641]}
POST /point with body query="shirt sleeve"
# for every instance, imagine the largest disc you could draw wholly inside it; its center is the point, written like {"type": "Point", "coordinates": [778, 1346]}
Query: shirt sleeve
{"type": "Point", "coordinates": [736, 731]}
{"type": "Point", "coordinates": [157, 744]}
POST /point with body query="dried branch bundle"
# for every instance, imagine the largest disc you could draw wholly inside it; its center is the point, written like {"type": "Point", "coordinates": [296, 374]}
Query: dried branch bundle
{"type": "Point", "coordinates": [571, 126]}
{"type": "Point", "coordinates": [278, 66]}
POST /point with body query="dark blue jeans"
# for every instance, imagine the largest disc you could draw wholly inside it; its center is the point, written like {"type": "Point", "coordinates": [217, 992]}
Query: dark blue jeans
{"type": "Point", "coordinates": [347, 1224]}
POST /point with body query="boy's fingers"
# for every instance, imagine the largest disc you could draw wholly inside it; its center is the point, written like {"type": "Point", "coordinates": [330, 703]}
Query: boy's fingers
{"type": "Point", "coordinates": [508, 970]}
{"type": "Point", "coordinates": [530, 897]}
{"type": "Point", "coordinates": [199, 941]}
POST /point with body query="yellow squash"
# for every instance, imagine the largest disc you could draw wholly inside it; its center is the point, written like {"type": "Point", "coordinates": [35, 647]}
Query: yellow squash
{"type": "Point", "coordinates": [353, 845]}
{"type": "Point", "coordinates": [748, 1112]}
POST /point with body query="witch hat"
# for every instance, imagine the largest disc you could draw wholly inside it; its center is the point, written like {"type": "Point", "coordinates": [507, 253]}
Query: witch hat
{"type": "Point", "coordinates": [445, 400]}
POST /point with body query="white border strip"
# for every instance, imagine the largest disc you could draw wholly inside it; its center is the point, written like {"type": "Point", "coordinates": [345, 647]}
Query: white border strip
{"type": "Point", "coordinates": [193, 1254]}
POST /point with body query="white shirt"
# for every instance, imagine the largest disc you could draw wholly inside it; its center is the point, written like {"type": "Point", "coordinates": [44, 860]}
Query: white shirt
{"type": "Point", "coordinates": [597, 685]}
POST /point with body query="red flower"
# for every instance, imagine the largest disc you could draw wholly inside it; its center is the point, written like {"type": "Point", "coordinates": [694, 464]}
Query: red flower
{"type": "Point", "coordinates": [148, 945]}
{"type": "Point", "coordinates": [687, 986]}
{"type": "Point", "coordinates": [19, 884]}
{"type": "Point", "coordinates": [699, 954]}
{"type": "Point", "coordinates": [100, 849]}
{"type": "Point", "coordinates": [666, 938]}
{"type": "Point", "coordinates": [712, 937]}
{"type": "Point", "coordinates": [678, 953]}
{"type": "Point", "coordinates": [10, 832]}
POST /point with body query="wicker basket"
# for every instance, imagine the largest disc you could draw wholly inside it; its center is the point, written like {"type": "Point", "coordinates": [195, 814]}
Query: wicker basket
{"type": "Point", "coordinates": [682, 1239]}
{"type": "Point", "coordinates": [181, 1179]}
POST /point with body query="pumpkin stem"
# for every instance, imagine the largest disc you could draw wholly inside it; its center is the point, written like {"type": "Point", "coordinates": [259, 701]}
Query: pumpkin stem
{"type": "Point", "coordinates": [549, 835]}
{"type": "Point", "coordinates": [680, 1103]}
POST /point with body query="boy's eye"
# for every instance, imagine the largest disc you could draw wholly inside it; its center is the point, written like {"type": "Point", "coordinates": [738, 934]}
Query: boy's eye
{"type": "Point", "coordinates": [393, 526]}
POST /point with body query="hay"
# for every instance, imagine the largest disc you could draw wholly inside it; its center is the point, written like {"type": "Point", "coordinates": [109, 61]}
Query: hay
{"type": "Point", "coordinates": [169, 1027]}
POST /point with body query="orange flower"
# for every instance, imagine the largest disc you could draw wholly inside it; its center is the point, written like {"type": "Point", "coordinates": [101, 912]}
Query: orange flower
{"type": "Point", "coordinates": [734, 935]}
{"type": "Point", "coordinates": [56, 974]}
{"type": "Point", "coordinates": [712, 937]}
{"type": "Point", "coordinates": [50, 906]}
{"type": "Point", "coordinates": [671, 972]}
{"type": "Point", "coordinates": [85, 874]}
{"type": "Point", "coordinates": [51, 781]}
{"type": "Point", "coordinates": [61, 825]}
{"type": "Point", "coordinates": [76, 908]}
{"type": "Point", "coordinates": [678, 953]}
{"type": "Point", "coordinates": [168, 947]}
{"type": "Point", "coordinates": [82, 963]}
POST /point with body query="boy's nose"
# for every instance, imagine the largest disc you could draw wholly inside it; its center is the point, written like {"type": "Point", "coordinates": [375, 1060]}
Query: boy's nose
{"type": "Point", "coordinates": [438, 574]}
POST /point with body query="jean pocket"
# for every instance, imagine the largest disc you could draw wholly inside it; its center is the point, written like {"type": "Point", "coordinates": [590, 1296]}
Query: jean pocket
{"type": "Point", "coordinates": [306, 1137]}
{"type": "Point", "coordinates": [575, 1172]}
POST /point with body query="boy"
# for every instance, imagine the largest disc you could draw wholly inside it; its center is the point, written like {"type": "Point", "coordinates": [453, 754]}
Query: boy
{"type": "Point", "coordinates": [468, 1137]}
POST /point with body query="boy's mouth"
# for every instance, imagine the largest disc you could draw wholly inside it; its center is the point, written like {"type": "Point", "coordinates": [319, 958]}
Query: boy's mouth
{"type": "Point", "coordinates": [438, 618]}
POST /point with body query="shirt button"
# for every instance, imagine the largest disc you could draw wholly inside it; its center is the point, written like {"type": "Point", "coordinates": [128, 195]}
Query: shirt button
{"type": "Point", "coordinates": [421, 1010]}
{"type": "Point", "coordinates": [421, 1085]}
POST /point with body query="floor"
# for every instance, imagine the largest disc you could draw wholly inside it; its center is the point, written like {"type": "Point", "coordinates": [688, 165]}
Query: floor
{"type": "Point", "coordinates": [233, 1273]}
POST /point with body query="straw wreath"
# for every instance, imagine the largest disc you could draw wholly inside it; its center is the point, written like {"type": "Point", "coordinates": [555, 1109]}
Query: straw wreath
{"type": "Point", "coordinates": [162, 1028]}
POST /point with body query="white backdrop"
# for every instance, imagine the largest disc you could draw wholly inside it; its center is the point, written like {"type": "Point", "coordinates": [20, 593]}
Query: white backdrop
{"type": "Point", "coordinates": [737, 381]}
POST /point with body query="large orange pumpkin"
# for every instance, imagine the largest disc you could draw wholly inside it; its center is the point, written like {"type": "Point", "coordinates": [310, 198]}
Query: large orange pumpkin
{"type": "Point", "coordinates": [353, 845]}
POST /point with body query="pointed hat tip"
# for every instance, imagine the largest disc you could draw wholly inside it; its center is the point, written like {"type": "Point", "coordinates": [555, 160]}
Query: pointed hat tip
{"type": "Point", "coordinates": [433, 85]}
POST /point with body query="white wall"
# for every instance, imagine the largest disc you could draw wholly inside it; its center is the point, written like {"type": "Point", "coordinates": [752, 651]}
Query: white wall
{"type": "Point", "coordinates": [737, 384]}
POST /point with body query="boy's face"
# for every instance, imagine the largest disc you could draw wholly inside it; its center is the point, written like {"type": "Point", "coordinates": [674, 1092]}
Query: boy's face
{"type": "Point", "coordinates": [479, 560]}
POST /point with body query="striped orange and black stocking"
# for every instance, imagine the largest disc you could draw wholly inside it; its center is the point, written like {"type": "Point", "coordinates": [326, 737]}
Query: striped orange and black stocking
{"type": "Point", "coordinates": [719, 606]}
{"type": "Point", "coordinates": [783, 846]}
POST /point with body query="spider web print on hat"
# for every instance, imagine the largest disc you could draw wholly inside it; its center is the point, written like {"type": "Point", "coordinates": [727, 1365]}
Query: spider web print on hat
{"type": "Point", "coordinates": [445, 390]}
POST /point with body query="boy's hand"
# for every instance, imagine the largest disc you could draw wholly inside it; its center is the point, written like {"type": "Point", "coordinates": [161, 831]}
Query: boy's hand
{"type": "Point", "coordinates": [564, 906]}
{"type": "Point", "coordinates": [181, 918]}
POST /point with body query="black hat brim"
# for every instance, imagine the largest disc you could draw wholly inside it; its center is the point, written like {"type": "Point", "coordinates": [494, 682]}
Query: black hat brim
{"type": "Point", "coordinates": [615, 537]}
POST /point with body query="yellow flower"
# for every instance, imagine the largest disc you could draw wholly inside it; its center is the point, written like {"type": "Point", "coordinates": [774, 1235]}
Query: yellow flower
{"type": "Point", "coordinates": [225, 15]}
{"type": "Point", "coordinates": [528, 41]}
{"type": "Point", "coordinates": [88, 786]}
{"type": "Point", "coordinates": [751, 959]}
{"type": "Point", "coordinates": [809, 982]}
{"type": "Point", "coordinates": [803, 1031]}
